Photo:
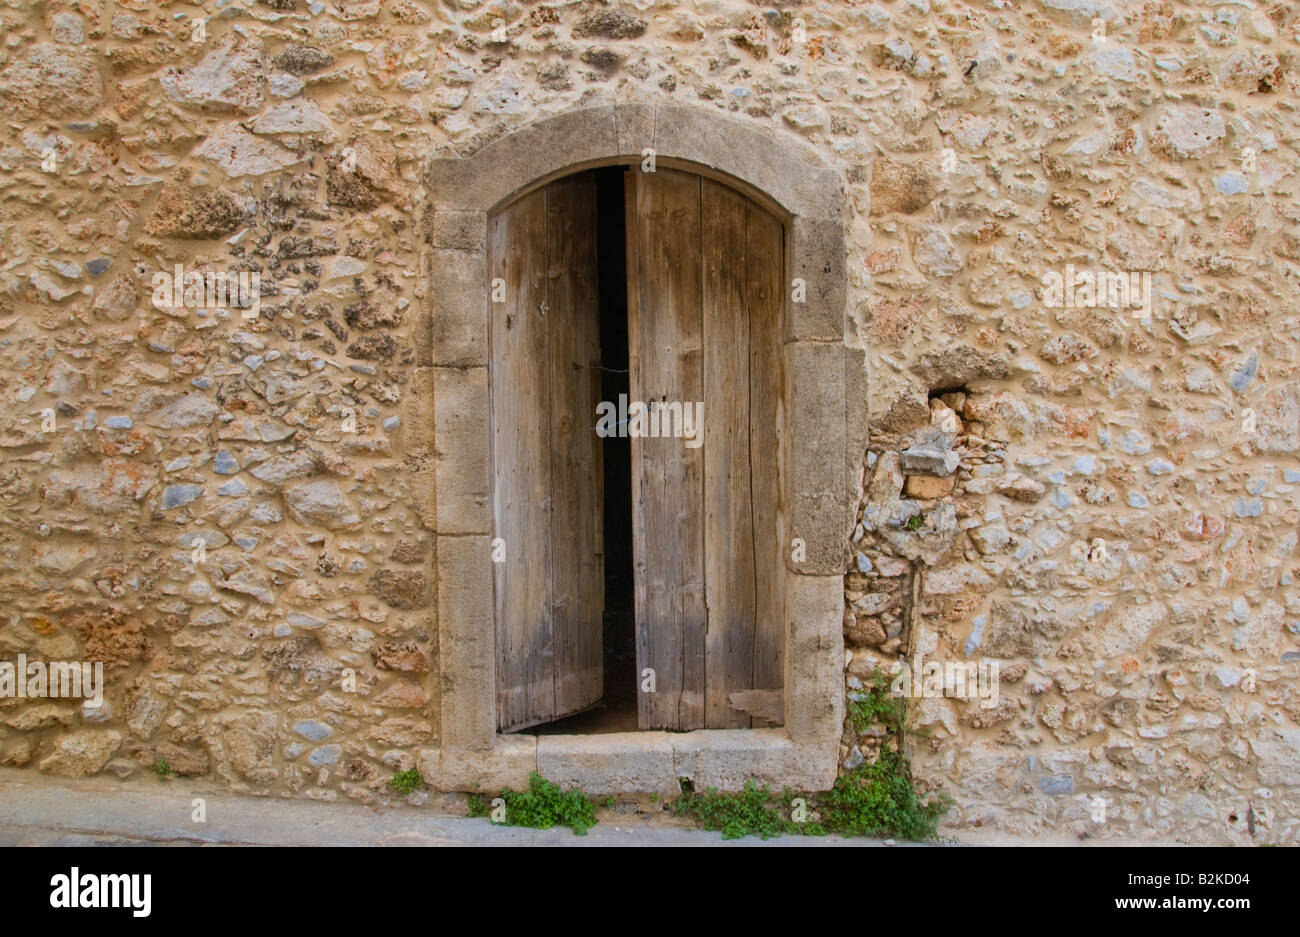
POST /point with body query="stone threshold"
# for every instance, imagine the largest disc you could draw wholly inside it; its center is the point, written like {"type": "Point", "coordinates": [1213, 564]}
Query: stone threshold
{"type": "Point", "coordinates": [648, 762]}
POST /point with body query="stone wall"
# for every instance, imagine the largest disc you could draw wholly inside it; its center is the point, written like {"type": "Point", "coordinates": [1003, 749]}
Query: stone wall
{"type": "Point", "coordinates": [229, 510]}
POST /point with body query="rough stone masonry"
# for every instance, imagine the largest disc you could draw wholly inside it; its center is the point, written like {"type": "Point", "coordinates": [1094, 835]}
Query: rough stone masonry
{"type": "Point", "coordinates": [220, 507]}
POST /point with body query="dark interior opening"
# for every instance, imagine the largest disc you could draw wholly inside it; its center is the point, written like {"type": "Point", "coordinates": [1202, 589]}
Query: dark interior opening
{"type": "Point", "coordinates": [617, 710]}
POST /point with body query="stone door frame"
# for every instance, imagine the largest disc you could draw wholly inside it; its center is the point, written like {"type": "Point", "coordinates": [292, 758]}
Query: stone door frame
{"type": "Point", "coordinates": [820, 465]}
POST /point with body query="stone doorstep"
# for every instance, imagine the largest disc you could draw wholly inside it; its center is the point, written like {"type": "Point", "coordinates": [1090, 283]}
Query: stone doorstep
{"type": "Point", "coordinates": [638, 762]}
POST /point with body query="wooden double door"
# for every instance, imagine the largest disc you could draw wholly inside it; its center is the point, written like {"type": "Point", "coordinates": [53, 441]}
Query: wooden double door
{"type": "Point", "coordinates": [704, 272]}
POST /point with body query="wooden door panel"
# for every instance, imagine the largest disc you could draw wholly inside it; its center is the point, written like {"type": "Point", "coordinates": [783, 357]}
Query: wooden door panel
{"type": "Point", "coordinates": [577, 528]}
{"type": "Point", "coordinates": [728, 501]}
{"type": "Point", "coordinates": [765, 295]}
{"type": "Point", "coordinates": [545, 461]}
{"type": "Point", "coordinates": [521, 482]}
{"type": "Point", "coordinates": [705, 273]}
{"type": "Point", "coordinates": [665, 361]}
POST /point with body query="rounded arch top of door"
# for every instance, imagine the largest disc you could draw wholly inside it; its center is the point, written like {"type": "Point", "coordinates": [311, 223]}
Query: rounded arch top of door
{"type": "Point", "coordinates": [635, 161]}
{"type": "Point", "coordinates": [781, 173]}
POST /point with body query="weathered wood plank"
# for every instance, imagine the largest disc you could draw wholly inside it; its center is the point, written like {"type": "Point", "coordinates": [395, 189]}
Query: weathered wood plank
{"type": "Point", "coordinates": [520, 417]}
{"type": "Point", "coordinates": [728, 510]}
{"type": "Point", "coordinates": [664, 309]}
{"type": "Point", "coordinates": [767, 706]}
{"type": "Point", "coordinates": [766, 283]}
{"type": "Point", "coordinates": [577, 569]}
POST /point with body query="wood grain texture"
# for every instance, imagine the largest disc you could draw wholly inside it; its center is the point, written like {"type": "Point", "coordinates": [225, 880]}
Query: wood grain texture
{"type": "Point", "coordinates": [546, 460]}
{"type": "Point", "coordinates": [765, 299]}
{"type": "Point", "coordinates": [520, 416]}
{"type": "Point", "coordinates": [664, 329]}
{"type": "Point", "coordinates": [577, 567]}
{"type": "Point", "coordinates": [767, 706]}
{"type": "Point", "coordinates": [705, 274]}
{"type": "Point", "coordinates": [728, 510]}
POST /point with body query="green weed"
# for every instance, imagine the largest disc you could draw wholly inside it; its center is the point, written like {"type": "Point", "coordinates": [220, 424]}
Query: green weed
{"type": "Point", "coordinates": [874, 799]}
{"type": "Point", "coordinates": [404, 782]}
{"type": "Point", "coordinates": [752, 811]}
{"type": "Point", "coordinates": [542, 807]}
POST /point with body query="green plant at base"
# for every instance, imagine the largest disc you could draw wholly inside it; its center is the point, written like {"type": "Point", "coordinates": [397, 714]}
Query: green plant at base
{"type": "Point", "coordinates": [874, 799]}
{"type": "Point", "coordinates": [877, 799]}
{"type": "Point", "coordinates": [404, 782]}
{"type": "Point", "coordinates": [162, 769]}
{"type": "Point", "coordinates": [738, 814]}
{"type": "Point", "coordinates": [914, 522]}
{"type": "Point", "coordinates": [543, 806]}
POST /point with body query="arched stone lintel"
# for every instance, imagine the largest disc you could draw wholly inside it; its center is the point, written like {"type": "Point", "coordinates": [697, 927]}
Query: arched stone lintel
{"type": "Point", "coordinates": [779, 172]}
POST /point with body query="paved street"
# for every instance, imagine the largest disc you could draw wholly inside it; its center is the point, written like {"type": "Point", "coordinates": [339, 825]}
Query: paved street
{"type": "Point", "coordinates": [39, 810]}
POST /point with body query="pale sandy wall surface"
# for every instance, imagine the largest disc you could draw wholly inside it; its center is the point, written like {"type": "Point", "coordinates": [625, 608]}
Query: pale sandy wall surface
{"type": "Point", "coordinates": [984, 146]}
